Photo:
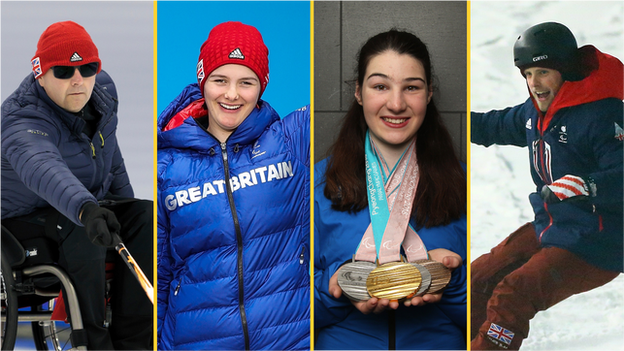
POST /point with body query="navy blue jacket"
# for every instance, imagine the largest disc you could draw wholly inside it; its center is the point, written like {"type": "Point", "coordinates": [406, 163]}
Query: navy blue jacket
{"type": "Point", "coordinates": [580, 134]}
{"type": "Point", "coordinates": [48, 161]}
{"type": "Point", "coordinates": [340, 326]}
{"type": "Point", "coordinates": [233, 261]}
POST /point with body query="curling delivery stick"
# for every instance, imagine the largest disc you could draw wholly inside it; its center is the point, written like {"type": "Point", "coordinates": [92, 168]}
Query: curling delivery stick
{"type": "Point", "coordinates": [135, 269]}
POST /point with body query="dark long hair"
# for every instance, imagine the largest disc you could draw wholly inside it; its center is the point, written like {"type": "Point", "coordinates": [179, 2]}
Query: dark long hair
{"type": "Point", "coordinates": [441, 194]}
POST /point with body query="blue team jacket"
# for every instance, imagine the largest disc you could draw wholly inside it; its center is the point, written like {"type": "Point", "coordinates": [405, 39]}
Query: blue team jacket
{"type": "Point", "coordinates": [233, 262]}
{"type": "Point", "coordinates": [581, 134]}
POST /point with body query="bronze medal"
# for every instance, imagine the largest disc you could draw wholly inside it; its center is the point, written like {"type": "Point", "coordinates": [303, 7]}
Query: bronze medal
{"type": "Point", "coordinates": [393, 281]}
{"type": "Point", "coordinates": [352, 279]}
{"type": "Point", "coordinates": [440, 275]}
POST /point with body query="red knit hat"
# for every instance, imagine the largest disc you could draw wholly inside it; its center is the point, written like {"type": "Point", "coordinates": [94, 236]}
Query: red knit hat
{"type": "Point", "coordinates": [64, 44]}
{"type": "Point", "coordinates": [237, 43]}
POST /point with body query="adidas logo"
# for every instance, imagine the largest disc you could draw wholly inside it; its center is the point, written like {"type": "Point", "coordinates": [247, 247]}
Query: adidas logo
{"type": "Point", "coordinates": [236, 54]}
{"type": "Point", "coordinates": [528, 124]}
{"type": "Point", "coordinates": [75, 57]}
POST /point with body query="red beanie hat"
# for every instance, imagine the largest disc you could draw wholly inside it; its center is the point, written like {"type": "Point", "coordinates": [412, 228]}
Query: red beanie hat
{"type": "Point", "coordinates": [237, 43]}
{"type": "Point", "coordinates": [64, 44]}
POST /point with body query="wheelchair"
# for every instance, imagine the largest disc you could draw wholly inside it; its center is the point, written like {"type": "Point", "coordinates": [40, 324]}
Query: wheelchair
{"type": "Point", "coordinates": [31, 279]}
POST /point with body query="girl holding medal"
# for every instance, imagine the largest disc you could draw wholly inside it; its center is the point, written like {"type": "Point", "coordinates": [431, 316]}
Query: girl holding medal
{"type": "Point", "coordinates": [391, 193]}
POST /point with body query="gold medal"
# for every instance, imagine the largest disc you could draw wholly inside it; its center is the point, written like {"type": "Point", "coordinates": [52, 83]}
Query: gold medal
{"type": "Point", "coordinates": [440, 275]}
{"type": "Point", "coordinates": [393, 281]}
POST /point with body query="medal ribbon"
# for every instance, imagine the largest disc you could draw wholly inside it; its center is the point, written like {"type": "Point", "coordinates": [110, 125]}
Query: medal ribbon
{"type": "Point", "coordinates": [389, 228]}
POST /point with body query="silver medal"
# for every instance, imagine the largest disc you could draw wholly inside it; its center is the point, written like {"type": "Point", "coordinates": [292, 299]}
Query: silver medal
{"type": "Point", "coordinates": [426, 279]}
{"type": "Point", "coordinates": [352, 279]}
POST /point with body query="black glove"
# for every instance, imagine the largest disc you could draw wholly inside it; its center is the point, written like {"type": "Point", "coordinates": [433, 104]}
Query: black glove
{"type": "Point", "coordinates": [101, 225]}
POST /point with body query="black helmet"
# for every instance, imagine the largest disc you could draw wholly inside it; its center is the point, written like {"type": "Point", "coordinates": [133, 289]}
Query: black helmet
{"type": "Point", "coordinates": [549, 45]}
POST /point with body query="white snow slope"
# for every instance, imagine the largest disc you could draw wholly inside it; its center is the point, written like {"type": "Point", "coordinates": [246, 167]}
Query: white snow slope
{"type": "Point", "coordinates": [500, 178]}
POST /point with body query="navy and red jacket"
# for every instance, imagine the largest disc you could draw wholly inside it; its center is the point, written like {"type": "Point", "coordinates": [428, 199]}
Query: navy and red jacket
{"type": "Point", "coordinates": [580, 134]}
{"type": "Point", "coordinates": [47, 160]}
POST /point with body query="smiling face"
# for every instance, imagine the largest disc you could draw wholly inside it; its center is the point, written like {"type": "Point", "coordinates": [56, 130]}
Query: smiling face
{"type": "Point", "coordinates": [70, 94]}
{"type": "Point", "coordinates": [394, 96]}
{"type": "Point", "coordinates": [231, 93]}
{"type": "Point", "coordinates": [544, 84]}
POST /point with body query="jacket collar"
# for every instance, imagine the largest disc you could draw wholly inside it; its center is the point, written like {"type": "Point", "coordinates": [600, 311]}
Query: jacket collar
{"type": "Point", "coordinates": [602, 81]}
{"type": "Point", "coordinates": [178, 128]}
{"type": "Point", "coordinates": [104, 104]}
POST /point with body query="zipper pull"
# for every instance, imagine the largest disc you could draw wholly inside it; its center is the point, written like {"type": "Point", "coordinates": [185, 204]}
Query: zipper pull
{"type": "Point", "coordinates": [223, 151]}
{"type": "Point", "coordinates": [302, 256]}
{"type": "Point", "coordinates": [102, 138]}
{"type": "Point", "coordinates": [92, 149]}
{"type": "Point", "coordinates": [177, 289]}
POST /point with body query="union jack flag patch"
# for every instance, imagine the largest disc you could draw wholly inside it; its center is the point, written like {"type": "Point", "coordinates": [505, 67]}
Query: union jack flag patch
{"type": "Point", "coordinates": [499, 333]}
{"type": "Point", "coordinates": [200, 70]}
{"type": "Point", "coordinates": [619, 132]}
{"type": "Point", "coordinates": [36, 67]}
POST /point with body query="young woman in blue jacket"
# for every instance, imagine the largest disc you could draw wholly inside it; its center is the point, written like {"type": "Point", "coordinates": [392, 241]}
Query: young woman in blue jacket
{"type": "Point", "coordinates": [393, 111]}
{"type": "Point", "coordinates": [233, 207]}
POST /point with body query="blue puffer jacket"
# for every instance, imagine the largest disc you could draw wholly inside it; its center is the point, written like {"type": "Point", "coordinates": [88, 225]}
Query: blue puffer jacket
{"type": "Point", "coordinates": [233, 265]}
{"type": "Point", "coordinates": [581, 134]}
{"type": "Point", "coordinates": [340, 326]}
{"type": "Point", "coordinates": [48, 161]}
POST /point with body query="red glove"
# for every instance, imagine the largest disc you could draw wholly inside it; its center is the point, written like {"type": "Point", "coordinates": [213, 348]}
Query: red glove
{"type": "Point", "coordinates": [564, 188]}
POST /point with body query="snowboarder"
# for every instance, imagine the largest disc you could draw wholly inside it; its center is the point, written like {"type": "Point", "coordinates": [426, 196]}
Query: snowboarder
{"type": "Point", "coordinates": [572, 125]}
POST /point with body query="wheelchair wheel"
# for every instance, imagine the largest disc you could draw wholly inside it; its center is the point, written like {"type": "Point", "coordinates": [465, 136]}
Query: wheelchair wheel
{"type": "Point", "coordinates": [51, 335]}
{"type": "Point", "coordinates": [8, 323]}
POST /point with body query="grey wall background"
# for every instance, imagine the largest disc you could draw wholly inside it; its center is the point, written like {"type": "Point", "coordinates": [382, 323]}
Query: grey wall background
{"type": "Point", "coordinates": [341, 28]}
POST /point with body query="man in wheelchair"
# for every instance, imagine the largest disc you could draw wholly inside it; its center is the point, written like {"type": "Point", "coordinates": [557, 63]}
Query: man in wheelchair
{"type": "Point", "coordinates": [63, 178]}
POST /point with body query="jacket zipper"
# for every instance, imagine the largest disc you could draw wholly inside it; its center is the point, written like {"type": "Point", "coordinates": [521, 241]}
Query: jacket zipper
{"type": "Point", "coordinates": [239, 241]}
{"type": "Point", "coordinates": [179, 276]}
{"type": "Point", "coordinates": [540, 151]}
{"type": "Point", "coordinates": [550, 222]}
{"type": "Point", "coordinates": [92, 149]}
{"type": "Point", "coordinates": [542, 162]}
{"type": "Point", "coordinates": [94, 162]}
{"type": "Point", "coordinates": [302, 255]}
{"type": "Point", "coordinates": [544, 175]}
{"type": "Point", "coordinates": [391, 329]}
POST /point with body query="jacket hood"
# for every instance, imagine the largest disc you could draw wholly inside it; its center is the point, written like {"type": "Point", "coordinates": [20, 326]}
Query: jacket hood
{"type": "Point", "coordinates": [185, 133]}
{"type": "Point", "coordinates": [604, 79]}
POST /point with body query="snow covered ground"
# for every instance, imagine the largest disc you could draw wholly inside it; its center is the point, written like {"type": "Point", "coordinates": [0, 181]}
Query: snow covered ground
{"type": "Point", "coordinates": [500, 179]}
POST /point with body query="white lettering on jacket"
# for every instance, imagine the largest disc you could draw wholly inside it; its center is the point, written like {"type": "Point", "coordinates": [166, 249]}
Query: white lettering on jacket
{"type": "Point", "coordinates": [264, 174]}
